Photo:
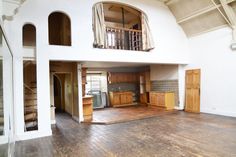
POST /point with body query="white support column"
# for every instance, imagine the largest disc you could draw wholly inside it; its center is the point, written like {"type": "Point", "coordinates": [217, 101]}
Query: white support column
{"type": "Point", "coordinates": [80, 95]}
{"type": "Point", "coordinates": [181, 73]}
{"type": "Point", "coordinates": [52, 103]}
{"type": "Point", "coordinates": [43, 86]}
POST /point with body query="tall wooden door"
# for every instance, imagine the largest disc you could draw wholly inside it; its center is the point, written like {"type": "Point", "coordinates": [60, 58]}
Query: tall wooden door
{"type": "Point", "coordinates": [192, 91]}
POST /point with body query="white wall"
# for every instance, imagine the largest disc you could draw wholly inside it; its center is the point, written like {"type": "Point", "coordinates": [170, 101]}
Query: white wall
{"type": "Point", "coordinates": [1, 9]}
{"type": "Point", "coordinates": [170, 42]}
{"type": "Point", "coordinates": [212, 54]}
{"type": "Point", "coordinates": [164, 72]}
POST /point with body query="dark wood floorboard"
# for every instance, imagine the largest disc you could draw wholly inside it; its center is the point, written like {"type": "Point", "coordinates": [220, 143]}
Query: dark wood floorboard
{"type": "Point", "coordinates": [126, 114]}
{"type": "Point", "coordinates": [174, 135]}
{"type": "Point", "coordinates": [3, 150]}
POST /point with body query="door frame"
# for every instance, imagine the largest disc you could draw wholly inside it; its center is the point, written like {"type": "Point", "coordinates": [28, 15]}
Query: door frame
{"type": "Point", "coordinates": [52, 92]}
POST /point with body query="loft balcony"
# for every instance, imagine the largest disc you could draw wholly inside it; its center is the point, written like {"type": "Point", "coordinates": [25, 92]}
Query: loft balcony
{"type": "Point", "coordinates": [123, 39]}
{"type": "Point", "coordinates": [121, 27]}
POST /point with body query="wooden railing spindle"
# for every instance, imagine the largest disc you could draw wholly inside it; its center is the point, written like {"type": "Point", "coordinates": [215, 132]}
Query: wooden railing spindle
{"type": "Point", "coordinates": [123, 39]}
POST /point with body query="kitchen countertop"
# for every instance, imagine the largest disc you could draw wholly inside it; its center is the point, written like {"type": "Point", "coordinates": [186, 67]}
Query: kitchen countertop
{"type": "Point", "coordinates": [121, 91]}
{"type": "Point", "coordinates": [87, 96]}
{"type": "Point", "coordinates": [162, 91]}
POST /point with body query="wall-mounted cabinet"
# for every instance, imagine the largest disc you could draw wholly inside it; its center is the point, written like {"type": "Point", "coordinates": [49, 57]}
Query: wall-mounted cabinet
{"type": "Point", "coordinates": [163, 99]}
{"type": "Point", "coordinates": [122, 77]}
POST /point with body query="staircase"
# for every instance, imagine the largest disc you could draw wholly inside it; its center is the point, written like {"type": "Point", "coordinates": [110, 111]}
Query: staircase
{"type": "Point", "coordinates": [1, 116]}
{"type": "Point", "coordinates": [30, 107]}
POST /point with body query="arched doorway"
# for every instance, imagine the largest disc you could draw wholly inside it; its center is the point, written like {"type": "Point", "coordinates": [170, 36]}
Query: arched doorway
{"type": "Point", "coordinates": [57, 94]}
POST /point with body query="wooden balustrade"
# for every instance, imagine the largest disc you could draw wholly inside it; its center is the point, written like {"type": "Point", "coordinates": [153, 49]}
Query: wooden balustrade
{"type": "Point", "coordinates": [123, 39]}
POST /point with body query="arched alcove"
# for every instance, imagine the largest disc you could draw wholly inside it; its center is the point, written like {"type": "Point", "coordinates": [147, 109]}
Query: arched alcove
{"type": "Point", "coordinates": [59, 29]}
{"type": "Point", "coordinates": [29, 35]}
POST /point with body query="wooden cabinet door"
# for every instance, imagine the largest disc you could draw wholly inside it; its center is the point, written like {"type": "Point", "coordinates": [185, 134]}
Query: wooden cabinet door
{"type": "Point", "coordinates": [143, 98]}
{"type": "Point", "coordinates": [125, 77]}
{"type": "Point", "coordinates": [116, 99]}
{"type": "Point", "coordinates": [129, 98]}
{"type": "Point", "coordinates": [161, 99]}
{"type": "Point", "coordinates": [115, 78]}
{"type": "Point", "coordinates": [153, 99]}
{"type": "Point", "coordinates": [123, 99]}
{"type": "Point", "coordinates": [192, 91]}
{"type": "Point", "coordinates": [170, 101]}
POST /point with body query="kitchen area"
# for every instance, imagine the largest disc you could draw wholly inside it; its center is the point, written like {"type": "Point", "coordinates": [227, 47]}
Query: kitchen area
{"type": "Point", "coordinates": [118, 89]}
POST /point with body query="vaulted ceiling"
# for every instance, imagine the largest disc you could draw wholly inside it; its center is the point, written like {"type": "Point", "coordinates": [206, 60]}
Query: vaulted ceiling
{"type": "Point", "coordinates": [200, 16]}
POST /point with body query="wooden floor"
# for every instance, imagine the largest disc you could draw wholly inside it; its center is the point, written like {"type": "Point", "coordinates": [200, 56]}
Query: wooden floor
{"type": "Point", "coordinates": [3, 150]}
{"type": "Point", "coordinates": [126, 114]}
{"type": "Point", "coordinates": [173, 135]}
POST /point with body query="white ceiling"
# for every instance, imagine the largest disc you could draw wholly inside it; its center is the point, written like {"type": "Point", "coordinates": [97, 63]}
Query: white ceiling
{"type": "Point", "coordinates": [200, 16]}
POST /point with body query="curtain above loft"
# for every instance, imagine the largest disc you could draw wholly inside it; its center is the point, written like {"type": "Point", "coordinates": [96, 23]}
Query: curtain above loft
{"type": "Point", "coordinates": [99, 27]}
{"type": "Point", "coordinates": [148, 43]}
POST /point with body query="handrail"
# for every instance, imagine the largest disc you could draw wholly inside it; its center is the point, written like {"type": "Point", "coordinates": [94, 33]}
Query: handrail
{"type": "Point", "coordinates": [125, 29]}
{"type": "Point", "coordinates": [26, 86]}
{"type": "Point", "coordinates": [123, 39]}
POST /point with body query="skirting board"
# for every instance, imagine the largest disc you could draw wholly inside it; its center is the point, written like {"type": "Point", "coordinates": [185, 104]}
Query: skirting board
{"type": "Point", "coordinates": [215, 112]}
{"type": "Point", "coordinates": [53, 121]}
{"type": "Point", "coordinates": [222, 113]}
{"type": "Point", "coordinates": [76, 119]}
{"type": "Point", "coordinates": [179, 108]}
{"type": "Point", "coordinates": [32, 135]}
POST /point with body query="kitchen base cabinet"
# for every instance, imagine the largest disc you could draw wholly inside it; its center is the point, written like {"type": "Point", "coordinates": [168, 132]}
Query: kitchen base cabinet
{"type": "Point", "coordinates": [88, 108]}
{"type": "Point", "coordinates": [143, 98]}
{"type": "Point", "coordinates": [118, 99]}
{"type": "Point", "coordinates": [163, 99]}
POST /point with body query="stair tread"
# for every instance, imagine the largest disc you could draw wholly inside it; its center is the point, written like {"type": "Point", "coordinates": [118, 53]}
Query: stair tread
{"type": "Point", "coordinates": [31, 113]}
{"type": "Point", "coordinates": [28, 99]}
{"type": "Point", "coordinates": [1, 120]}
{"type": "Point", "coordinates": [31, 121]}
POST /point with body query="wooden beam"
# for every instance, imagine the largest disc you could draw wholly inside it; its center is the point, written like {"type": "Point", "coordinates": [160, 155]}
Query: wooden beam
{"type": "Point", "coordinates": [169, 2]}
{"type": "Point", "coordinates": [198, 13]}
{"type": "Point", "coordinates": [229, 12]}
{"type": "Point", "coordinates": [230, 1]}
{"type": "Point", "coordinates": [231, 16]}
{"type": "Point", "coordinates": [222, 14]}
